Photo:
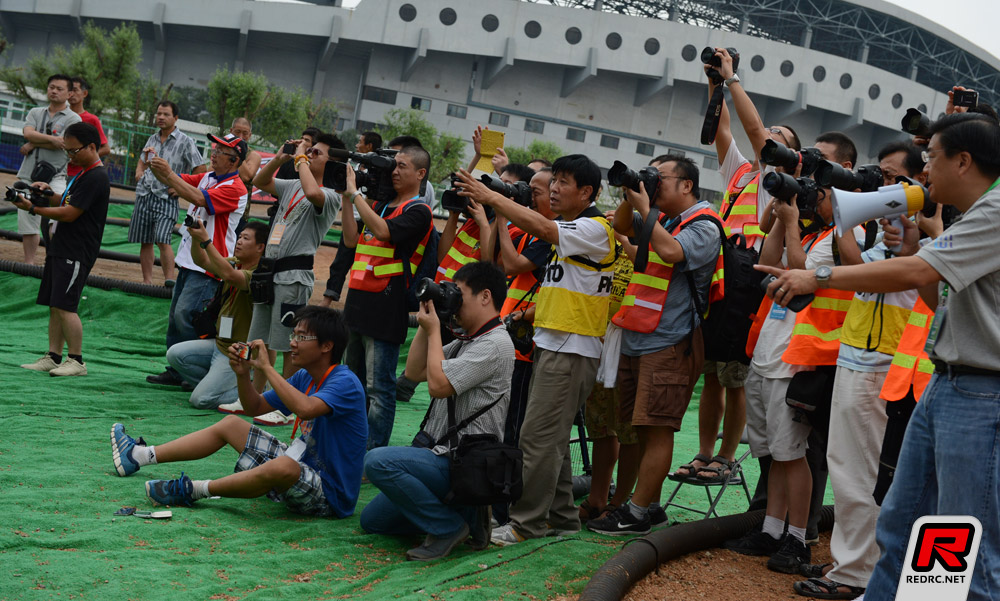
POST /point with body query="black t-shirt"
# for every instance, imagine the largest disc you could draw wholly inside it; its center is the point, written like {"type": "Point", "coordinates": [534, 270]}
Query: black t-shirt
{"type": "Point", "coordinates": [383, 315]}
{"type": "Point", "coordinates": [81, 239]}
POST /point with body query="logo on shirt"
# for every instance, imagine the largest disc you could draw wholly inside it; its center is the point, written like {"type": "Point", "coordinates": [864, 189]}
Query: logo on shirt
{"type": "Point", "coordinates": [944, 241]}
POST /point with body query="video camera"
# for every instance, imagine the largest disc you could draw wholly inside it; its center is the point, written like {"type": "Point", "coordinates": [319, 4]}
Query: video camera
{"type": "Point", "coordinates": [39, 198]}
{"type": "Point", "coordinates": [708, 57]}
{"type": "Point", "coordinates": [447, 297]}
{"type": "Point", "coordinates": [621, 175]}
{"type": "Point", "coordinates": [784, 187]}
{"type": "Point", "coordinates": [866, 177]}
{"type": "Point", "coordinates": [778, 155]}
{"type": "Point", "coordinates": [376, 182]}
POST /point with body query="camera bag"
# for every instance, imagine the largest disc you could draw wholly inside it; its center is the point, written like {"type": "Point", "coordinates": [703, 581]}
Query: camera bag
{"type": "Point", "coordinates": [43, 171]}
{"type": "Point", "coordinates": [204, 321]}
{"type": "Point", "coordinates": [262, 282]}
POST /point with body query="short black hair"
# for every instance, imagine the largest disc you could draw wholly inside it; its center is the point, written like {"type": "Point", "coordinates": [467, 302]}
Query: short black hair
{"type": "Point", "coordinates": [421, 158]}
{"type": "Point", "coordinates": [794, 143]}
{"type": "Point", "coordinates": [846, 151]}
{"type": "Point", "coordinates": [405, 141]}
{"type": "Point", "coordinates": [913, 161]}
{"type": "Point", "coordinates": [313, 132]}
{"type": "Point", "coordinates": [84, 133]}
{"type": "Point", "coordinates": [663, 158]}
{"type": "Point", "coordinates": [974, 133]}
{"type": "Point", "coordinates": [260, 231]}
{"type": "Point", "coordinates": [545, 162]}
{"type": "Point", "coordinates": [523, 173]}
{"type": "Point", "coordinates": [81, 82]}
{"type": "Point", "coordinates": [327, 325]}
{"type": "Point", "coordinates": [171, 104]}
{"type": "Point", "coordinates": [66, 78]}
{"type": "Point", "coordinates": [985, 109]}
{"type": "Point", "coordinates": [688, 170]}
{"type": "Point", "coordinates": [330, 140]}
{"type": "Point", "coordinates": [585, 172]}
{"type": "Point", "coordinates": [483, 275]}
{"type": "Point", "coordinates": [373, 139]}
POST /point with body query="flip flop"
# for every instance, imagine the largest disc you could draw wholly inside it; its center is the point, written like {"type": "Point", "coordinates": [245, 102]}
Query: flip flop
{"type": "Point", "coordinates": [822, 588]}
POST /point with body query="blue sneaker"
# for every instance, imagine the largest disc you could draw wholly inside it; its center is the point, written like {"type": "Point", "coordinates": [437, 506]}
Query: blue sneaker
{"type": "Point", "coordinates": [121, 450]}
{"type": "Point", "coordinates": [170, 492]}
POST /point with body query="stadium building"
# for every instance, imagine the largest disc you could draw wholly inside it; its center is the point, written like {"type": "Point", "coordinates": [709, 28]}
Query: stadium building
{"type": "Point", "coordinates": [614, 79]}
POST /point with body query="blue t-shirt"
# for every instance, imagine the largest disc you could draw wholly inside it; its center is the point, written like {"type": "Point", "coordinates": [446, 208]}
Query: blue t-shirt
{"type": "Point", "coordinates": [335, 442]}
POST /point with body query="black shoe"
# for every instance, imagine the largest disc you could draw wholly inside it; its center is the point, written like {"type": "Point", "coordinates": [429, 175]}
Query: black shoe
{"type": "Point", "coordinates": [790, 556]}
{"type": "Point", "coordinates": [657, 516]}
{"type": "Point", "coordinates": [812, 536]}
{"type": "Point", "coordinates": [479, 533]}
{"type": "Point", "coordinates": [186, 387]}
{"type": "Point", "coordinates": [620, 522]}
{"type": "Point", "coordinates": [434, 547]}
{"type": "Point", "coordinates": [165, 379]}
{"type": "Point", "coordinates": [755, 542]}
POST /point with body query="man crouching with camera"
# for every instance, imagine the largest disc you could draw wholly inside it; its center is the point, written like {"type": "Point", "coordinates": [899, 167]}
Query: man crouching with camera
{"type": "Point", "coordinates": [469, 382]}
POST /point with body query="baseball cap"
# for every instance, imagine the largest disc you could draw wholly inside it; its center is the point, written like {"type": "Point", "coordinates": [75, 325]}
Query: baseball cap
{"type": "Point", "coordinates": [232, 141]}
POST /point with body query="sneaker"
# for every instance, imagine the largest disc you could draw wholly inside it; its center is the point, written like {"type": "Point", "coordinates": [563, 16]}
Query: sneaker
{"type": "Point", "coordinates": [69, 367]}
{"type": "Point", "coordinates": [812, 535]}
{"type": "Point", "coordinates": [657, 516]}
{"type": "Point", "coordinates": [169, 283]}
{"type": "Point", "coordinates": [44, 364]}
{"type": "Point", "coordinates": [435, 547]}
{"type": "Point", "coordinates": [506, 535]}
{"type": "Point", "coordinates": [755, 542]}
{"type": "Point", "coordinates": [235, 408]}
{"type": "Point", "coordinates": [170, 492]}
{"type": "Point", "coordinates": [274, 418]}
{"type": "Point", "coordinates": [186, 387]}
{"type": "Point", "coordinates": [790, 556]}
{"type": "Point", "coordinates": [165, 379]}
{"type": "Point", "coordinates": [620, 522]}
{"type": "Point", "coordinates": [121, 450]}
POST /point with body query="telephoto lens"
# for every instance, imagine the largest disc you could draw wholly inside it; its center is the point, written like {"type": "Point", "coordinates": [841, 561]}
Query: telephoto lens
{"type": "Point", "coordinates": [621, 175]}
{"type": "Point", "coordinates": [916, 123]}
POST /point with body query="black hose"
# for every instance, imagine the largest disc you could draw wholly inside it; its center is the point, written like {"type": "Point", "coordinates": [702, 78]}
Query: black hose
{"type": "Point", "coordinates": [635, 561]}
{"type": "Point", "coordinates": [94, 281]}
{"type": "Point", "coordinates": [101, 254]}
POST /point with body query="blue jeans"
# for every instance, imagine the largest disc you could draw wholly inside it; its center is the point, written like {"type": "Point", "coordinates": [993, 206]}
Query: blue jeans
{"type": "Point", "coordinates": [192, 292]}
{"type": "Point", "coordinates": [412, 482]}
{"type": "Point", "coordinates": [201, 363]}
{"type": "Point", "coordinates": [949, 465]}
{"type": "Point", "coordinates": [374, 363]}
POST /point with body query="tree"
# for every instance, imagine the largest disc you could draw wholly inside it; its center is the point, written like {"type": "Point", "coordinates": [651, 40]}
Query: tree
{"type": "Point", "coordinates": [446, 149]}
{"type": "Point", "coordinates": [538, 149]}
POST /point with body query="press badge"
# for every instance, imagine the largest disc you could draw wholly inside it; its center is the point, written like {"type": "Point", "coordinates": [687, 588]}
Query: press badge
{"type": "Point", "coordinates": [225, 327]}
{"type": "Point", "coordinates": [277, 232]}
{"type": "Point", "coordinates": [939, 316]}
{"type": "Point", "coordinates": [297, 449]}
{"type": "Point", "coordinates": [778, 312]}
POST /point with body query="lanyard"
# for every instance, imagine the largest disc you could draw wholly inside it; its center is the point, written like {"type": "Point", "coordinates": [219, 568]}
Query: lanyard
{"type": "Point", "coordinates": [382, 214]}
{"type": "Point", "coordinates": [308, 390]}
{"type": "Point", "coordinates": [295, 202]}
{"type": "Point", "coordinates": [62, 201]}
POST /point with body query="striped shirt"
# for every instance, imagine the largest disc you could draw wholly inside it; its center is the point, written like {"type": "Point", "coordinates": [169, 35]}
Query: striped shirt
{"type": "Point", "coordinates": [179, 151]}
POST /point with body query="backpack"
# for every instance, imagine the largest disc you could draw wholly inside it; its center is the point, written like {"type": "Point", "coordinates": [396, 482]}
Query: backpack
{"type": "Point", "coordinates": [427, 268]}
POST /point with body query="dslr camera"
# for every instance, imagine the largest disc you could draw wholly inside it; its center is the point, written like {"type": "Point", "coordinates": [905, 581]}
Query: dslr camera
{"type": "Point", "coordinates": [916, 123]}
{"type": "Point", "coordinates": [621, 175]}
{"type": "Point", "coordinates": [779, 155]}
{"type": "Point", "coordinates": [708, 57]}
{"type": "Point", "coordinates": [784, 187]}
{"type": "Point", "coordinates": [866, 177]}
{"type": "Point", "coordinates": [376, 182]}
{"type": "Point", "coordinates": [522, 333]}
{"type": "Point", "coordinates": [519, 192]}
{"type": "Point", "coordinates": [39, 198]}
{"type": "Point", "coordinates": [447, 297]}
{"type": "Point", "coordinates": [450, 199]}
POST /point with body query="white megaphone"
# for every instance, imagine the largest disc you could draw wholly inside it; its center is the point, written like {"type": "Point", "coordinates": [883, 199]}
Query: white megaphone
{"type": "Point", "coordinates": [895, 203]}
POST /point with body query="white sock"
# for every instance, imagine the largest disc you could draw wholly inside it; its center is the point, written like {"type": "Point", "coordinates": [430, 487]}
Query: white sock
{"type": "Point", "coordinates": [773, 527]}
{"type": "Point", "coordinates": [637, 511]}
{"type": "Point", "coordinates": [143, 455]}
{"type": "Point", "coordinates": [799, 533]}
{"type": "Point", "coordinates": [200, 490]}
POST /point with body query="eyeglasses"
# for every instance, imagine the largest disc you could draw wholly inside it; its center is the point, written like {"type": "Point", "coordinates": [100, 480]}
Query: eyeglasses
{"type": "Point", "coordinates": [777, 131]}
{"type": "Point", "coordinates": [300, 337]}
{"type": "Point", "coordinates": [925, 156]}
{"type": "Point", "coordinates": [217, 152]}
{"type": "Point", "coordinates": [72, 151]}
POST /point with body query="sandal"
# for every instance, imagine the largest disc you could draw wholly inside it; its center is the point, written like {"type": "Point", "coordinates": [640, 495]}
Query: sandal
{"type": "Point", "coordinates": [588, 511]}
{"type": "Point", "coordinates": [691, 468]}
{"type": "Point", "coordinates": [814, 570]}
{"type": "Point", "coordinates": [822, 588]}
{"type": "Point", "coordinates": [719, 474]}
{"type": "Point", "coordinates": [608, 510]}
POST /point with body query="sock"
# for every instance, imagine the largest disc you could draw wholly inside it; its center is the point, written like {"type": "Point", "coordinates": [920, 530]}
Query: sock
{"type": "Point", "coordinates": [200, 490]}
{"type": "Point", "coordinates": [143, 455]}
{"type": "Point", "coordinates": [799, 533]}
{"type": "Point", "coordinates": [637, 511]}
{"type": "Point", "coordinates": [77, 358]}
{"type": "Point", "coordinates": [773, 527]}
{"type": "Point", "coordinates": [55, 357]}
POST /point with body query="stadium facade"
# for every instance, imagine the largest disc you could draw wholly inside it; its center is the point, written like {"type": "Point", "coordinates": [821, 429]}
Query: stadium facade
{"type": "Point", "coordinates": [612, 79]}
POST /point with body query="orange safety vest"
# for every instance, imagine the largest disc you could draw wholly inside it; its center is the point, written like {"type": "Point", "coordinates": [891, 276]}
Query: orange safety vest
{"type": "Point", "coordinates": [647, 291]}
{"type": "Point", "coordinates": [758, 322]}
{"type": "Point", "coordinates": [375, 261]}
{"type": "Point", "coordinates": [742, 218]}
{"type": "Point", "coordinates": [464, 250]}
{"type": "Point", "coordinates": [518, 292]}
{"type": "Point", "coordinates": [910, 364]}
{"type": "Point", "coordinates": [816, 334]}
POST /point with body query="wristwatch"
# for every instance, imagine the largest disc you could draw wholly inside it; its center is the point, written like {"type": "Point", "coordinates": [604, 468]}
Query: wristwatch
{"type": "Point", "coordinates": [823, 274]}
{"type": "Point", "coordinates": [31, 209]}
{"type": "Point", "coordinates": [734, 79]}
{"type": "Point", "coordinates": [205, 243]}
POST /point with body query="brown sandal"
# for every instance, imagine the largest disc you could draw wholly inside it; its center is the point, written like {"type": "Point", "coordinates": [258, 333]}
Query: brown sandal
{"type": "Point", "coordinates": [691, 469]}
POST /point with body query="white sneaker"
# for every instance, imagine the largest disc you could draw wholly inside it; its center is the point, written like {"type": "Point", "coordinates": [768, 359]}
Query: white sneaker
{"type": "Point", "coordinates": [505, 535]}
{"type": "Point", "coordinates": [44, 364]}
{"type": "Point", "coordinates": [236, 408]}
{"type": "Point", "coordinates": [274, 418]}
{"type": "Point", "coordinates": [69, 367]}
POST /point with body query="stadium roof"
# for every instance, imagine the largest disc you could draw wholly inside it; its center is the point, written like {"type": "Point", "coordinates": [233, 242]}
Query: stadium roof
{"type": "Point", "coordinates": [877, 33]}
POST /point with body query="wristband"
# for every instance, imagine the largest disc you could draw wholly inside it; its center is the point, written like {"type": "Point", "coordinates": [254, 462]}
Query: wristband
{"type": "Point", "coordinates": [205, 243]}
{"type": "Point", "coordinates": [299, 162]}
{"type": "Point", "coordinates": [356, 194]}
{"type": "Point", "coordinates": [300, 156]}
{"type": "Point", "coordinates": [31, 210]}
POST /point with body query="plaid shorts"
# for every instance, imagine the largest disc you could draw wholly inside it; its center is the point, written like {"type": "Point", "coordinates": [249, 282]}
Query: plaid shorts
{"type": "Point", "coordinates": [305, 496]}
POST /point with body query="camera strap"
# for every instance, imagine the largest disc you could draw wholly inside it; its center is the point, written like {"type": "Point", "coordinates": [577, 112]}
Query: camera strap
{"type": "Point", "coordinates": [642, 244]}
{"type": "Point", "coordinates": [710, 126]}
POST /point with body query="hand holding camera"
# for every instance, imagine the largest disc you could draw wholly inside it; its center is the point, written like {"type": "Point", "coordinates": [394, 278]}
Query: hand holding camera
{"type": "Point", "coordinates": [24, 197]}
{"type": "Point", "coordinates": [196, 228]}
{"type": "Point", "coordinates": [246, 355]}
{"type": "Point", "coordinates": [427, 316]}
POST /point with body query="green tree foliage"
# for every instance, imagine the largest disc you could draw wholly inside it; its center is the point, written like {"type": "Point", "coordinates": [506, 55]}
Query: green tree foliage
{"type": "Point", "coordinates": [446, 149]}
{"type": "Point", "coordinates": [538, 149]}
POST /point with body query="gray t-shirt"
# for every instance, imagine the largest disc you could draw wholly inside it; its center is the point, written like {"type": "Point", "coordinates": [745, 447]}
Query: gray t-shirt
{"type": "Point", "coordinates": [700, 241]}
{"type": "Point", "coordinates": [480, 374]}
{"type": "Point", "coordinates": [966, 257]}
{"type": "Point", "coordinates": [52, 125]}
{"type": "Point", "coordinates": [179, 151]}
{"type": "Point", "coordinates": [301, 228]}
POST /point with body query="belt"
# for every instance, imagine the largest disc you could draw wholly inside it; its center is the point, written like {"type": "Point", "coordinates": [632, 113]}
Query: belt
{"type": "Point", "coordinates": [947, 369]}
{"type": "Point", "coordinates": [293, 262]}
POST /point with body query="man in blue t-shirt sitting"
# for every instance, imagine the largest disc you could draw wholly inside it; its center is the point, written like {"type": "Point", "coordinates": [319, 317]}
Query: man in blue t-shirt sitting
{"type": "Point", "coordinates": [319, 474]}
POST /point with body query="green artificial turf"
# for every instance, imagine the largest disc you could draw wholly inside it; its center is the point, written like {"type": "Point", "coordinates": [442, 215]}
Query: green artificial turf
{"type": "Point", "coordinates": [59, 538]}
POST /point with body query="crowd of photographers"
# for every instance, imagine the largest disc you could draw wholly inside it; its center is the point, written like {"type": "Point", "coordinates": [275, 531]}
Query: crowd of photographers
{"type": "Point", "coordinates": [534, 307]}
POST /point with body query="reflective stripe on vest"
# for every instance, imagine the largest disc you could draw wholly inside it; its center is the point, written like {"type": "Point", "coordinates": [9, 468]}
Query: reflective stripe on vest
{"type": "Point", "coordinates": [742, 218]}
{"type": "Point", "coordinates": [375, 261]}
{"type": "Point", "coordinates": [464, 250]}
{"type": "Point", "coordinates": [910, 364]}
{"type": "Point", "coordinates": [646, 293]}
{"type": "Point", "coordinates": [519, 288]}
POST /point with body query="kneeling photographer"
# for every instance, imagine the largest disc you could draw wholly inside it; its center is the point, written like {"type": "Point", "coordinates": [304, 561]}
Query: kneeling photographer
{"type": "Point", "coordinates": [469, 382]}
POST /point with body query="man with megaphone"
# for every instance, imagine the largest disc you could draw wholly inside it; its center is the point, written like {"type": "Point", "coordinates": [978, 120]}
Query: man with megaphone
{"type": "Point", "coordinates": [948, 463]}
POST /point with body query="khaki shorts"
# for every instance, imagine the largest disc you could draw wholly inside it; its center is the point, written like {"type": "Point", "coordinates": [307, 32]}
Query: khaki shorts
{"type": "Point", "coordinates": [774, 428]}
{"type": "Point", "coordinates": [731, 374]}
{"type": "Point", "coordinates": [602, 416]}
{"type": "Point", "coordinates": [656, 388]}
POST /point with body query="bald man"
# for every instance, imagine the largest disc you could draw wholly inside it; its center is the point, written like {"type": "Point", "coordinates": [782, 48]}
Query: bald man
{"type": "Point", "coordinates": [241, 127]}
